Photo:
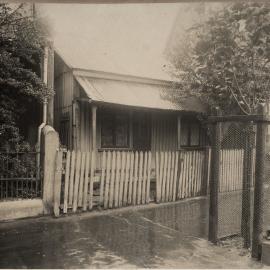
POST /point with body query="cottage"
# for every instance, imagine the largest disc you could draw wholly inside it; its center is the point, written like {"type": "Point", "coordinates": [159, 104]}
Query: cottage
{"type": "Point", "coordinates": [108, 111]}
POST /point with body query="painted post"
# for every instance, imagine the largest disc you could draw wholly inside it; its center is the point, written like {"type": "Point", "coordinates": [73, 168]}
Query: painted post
{"type": "Point", "coordinates": [214, 183]}
{"type": "Point", "coordinates": [259, 185]}
{"type": "Point", "coordinates": [247, 179]}
{"type": "Point", "coordinates": [50, 145]}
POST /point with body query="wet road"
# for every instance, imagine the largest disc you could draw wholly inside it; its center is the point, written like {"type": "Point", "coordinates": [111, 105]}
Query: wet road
{"type": "Point", "coordinates": [164, 236]}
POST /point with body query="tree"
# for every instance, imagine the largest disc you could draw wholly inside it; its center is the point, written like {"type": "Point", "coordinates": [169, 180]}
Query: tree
{"type": "Point", "coordinates": [22, 38]}
{"type": "Point", "coordinates": [225, 60]}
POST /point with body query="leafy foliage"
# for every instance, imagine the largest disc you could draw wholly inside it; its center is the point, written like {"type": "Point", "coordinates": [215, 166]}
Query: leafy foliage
{"type": "Point", "coordinates": [21, 41]}
{"type": "Point", "coordinates": [225, 61]}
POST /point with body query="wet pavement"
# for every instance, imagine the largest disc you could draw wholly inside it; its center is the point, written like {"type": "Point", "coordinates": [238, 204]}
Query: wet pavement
{"type": "Point", "coordinates": [164, 236]}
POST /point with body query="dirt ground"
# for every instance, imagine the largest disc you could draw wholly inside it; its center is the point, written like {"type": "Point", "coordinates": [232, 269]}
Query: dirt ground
{"type": "Point", "coordinates": [160, 236]}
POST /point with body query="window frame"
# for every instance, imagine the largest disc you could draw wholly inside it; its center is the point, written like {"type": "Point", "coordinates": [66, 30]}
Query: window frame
{"type": "Point", "coordinates": [189, 123]}
{"type": "Point", "coordinates": [114, 114]}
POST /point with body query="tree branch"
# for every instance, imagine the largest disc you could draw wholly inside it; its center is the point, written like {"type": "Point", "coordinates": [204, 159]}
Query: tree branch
{"type": "Point", "coordinates": [6, 19]}
{"type": "Point", "coordinates": [239, 104]}
{"type": "Point", "coordinates": [240, 91]}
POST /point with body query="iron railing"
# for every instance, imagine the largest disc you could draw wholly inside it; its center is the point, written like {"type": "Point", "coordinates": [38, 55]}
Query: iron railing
{"type": "Point", "coordinates": [19, 175]}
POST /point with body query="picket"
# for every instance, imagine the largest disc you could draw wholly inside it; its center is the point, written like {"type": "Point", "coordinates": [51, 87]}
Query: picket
{"type": "Point", "coordinates": [139, 179]}
{"type": "Point", "coordinates": [180, 178]}
{"type": "Point", "coordinates": [185, 175]}
{"type": "Point", "coordinates": [66, 183]}
{"type": "Point", "coordinates": [126, 166]}
{"type": "Point", "coordinates": [131, 178]}
{"type": "Point", "coordinates": [189, 179]}
{"type": "Point", "coordinates": [76, 182]}
{"type": "Point", "coordinates": [168, 178]}
{"type": "Point", "coordinates": [91, 180]}
{"type": "Point", "coordinates": [144, 178]}
{"type": "Point", "coordinates": [101, 196]}
{"type": "Point", "coordinates": [135, 180]}
{"type": "Point", "coordinates": [172, 176]}
{"type": "Point", "coordinates": [57, 183]}
{"type": "Point", "coordinates": [158, 182]}
{"type": "Point", "coordinates": [122, 177]}
{"type": "Point", "coordinates": [148, 177]}
{"type": "Point", "coordinates": [117, 176]}
{"type": "Point", "coordinates": [174, 186]}
{"type": "Point", "coordinates": [86, 181]}
{"type": "Point", "coordinates": [72, 173]}
{"type": "Point", "coordinates": [196, 173]}
{"type": "Point", "coordinates": [107, 183]}
{"type": "Point", "coordinates": [164, 180]}
{"type": "Point", "coordinates": [111, 192]}
{"type": "Point", "coordinates": [191, 176]}
{"type": "Point", "coordinates": [200, 167]}
{"type": "Point", "coordinates": [81, 182]}
{"type": "Point", "coordinates": [161, 171]}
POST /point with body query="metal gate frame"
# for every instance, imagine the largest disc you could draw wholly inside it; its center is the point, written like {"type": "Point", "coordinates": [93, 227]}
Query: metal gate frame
{"type": "Point", "coordinates": [261, 120]}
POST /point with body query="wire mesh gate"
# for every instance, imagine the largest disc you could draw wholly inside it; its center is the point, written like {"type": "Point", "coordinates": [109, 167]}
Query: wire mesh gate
{"type": "Point", "coordinates": [236, 182]}
{"type": "Point", "coordinates": [240, 178]}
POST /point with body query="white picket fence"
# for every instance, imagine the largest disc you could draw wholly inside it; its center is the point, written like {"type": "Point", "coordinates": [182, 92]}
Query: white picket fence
{"type": "Point", "coordinates": [124, 177]}
{"type": "Point", "coordinates": [232, 168]}
{"type": "Point", "coordinates": [79, 179]}
{"type": "Point", "coordinates": [181, 174]}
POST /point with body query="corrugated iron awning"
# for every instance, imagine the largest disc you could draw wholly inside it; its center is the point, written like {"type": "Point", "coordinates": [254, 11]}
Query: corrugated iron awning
{"type": "Point", "coordinates": [134, 94]}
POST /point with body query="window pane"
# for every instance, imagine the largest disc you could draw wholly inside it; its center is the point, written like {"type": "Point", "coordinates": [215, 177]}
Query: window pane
{"type": "Point", "coordinates": [107, 131]}
{"type": "Point", "coordinates": [194, 134]}
{"type": "Point", "coordinates": [141, 131]}
{"type": "Point", "coordinates": [121, 130]}
{"type": "Point", "coordinates": [184, 134]}
{"type": "Point", "coordinates": [203, 137]}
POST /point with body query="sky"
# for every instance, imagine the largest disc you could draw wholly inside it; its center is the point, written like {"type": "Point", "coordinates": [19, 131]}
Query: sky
{"type": "Point", "coordinates": [121, 38]}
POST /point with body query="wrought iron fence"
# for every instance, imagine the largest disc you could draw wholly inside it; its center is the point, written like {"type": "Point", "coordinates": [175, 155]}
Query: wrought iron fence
{"type": "Point", "coordinates": [19, 175]}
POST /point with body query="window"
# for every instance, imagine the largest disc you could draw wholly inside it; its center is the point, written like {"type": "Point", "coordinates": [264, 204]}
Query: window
{"type": "Point", "coordinates": [114, 130]}
{"type": "Point", "coordinates": [141, 131]}
{"type": "Point", "coordinates": [192, 134]}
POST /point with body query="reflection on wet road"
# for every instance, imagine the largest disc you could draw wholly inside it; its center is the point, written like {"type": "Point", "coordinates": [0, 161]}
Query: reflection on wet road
{"type": "Point", "coordinates": [166, 236]}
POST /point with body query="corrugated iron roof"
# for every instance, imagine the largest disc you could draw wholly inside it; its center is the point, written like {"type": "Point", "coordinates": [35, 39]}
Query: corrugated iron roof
{"type": "Point", "coordinates": [134, 94]}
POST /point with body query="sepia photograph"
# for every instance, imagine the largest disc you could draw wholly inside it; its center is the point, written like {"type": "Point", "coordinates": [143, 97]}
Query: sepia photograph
{"type": "Point", "coordinates": [134, 134]}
